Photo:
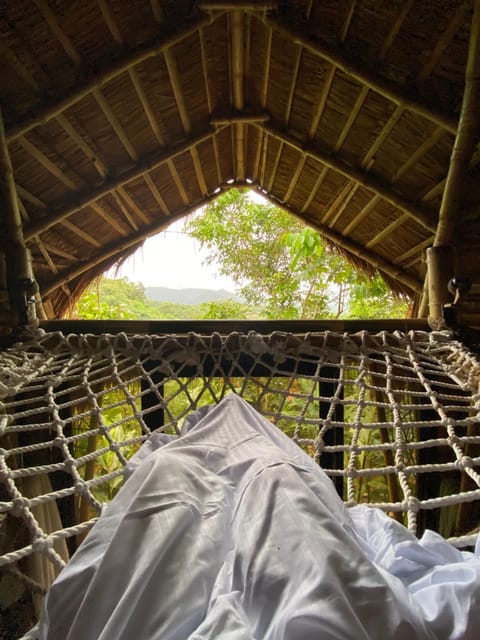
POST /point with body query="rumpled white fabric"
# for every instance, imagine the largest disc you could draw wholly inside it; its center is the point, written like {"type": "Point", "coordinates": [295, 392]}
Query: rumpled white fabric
{"type": "Point", "coordinates": [230, 531]}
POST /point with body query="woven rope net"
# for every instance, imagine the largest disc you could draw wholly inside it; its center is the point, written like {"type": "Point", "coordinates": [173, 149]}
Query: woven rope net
{"type": "Point", "coordinates": [391, 417]}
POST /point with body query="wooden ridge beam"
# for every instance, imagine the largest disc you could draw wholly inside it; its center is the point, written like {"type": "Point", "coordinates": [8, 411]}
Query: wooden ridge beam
{"type": "Point", "coordinates": [362, 74]}
{"type": "Point", "coordinates": [374, 260]}
{"type": "Point", "coordinates": [111, 250]}
{"type": "Point", "coordinates": [359, 175]}
{"type": "Point", "coordinates": [144, 165]}
{"type": "Point", "coordinates": [123, 63]}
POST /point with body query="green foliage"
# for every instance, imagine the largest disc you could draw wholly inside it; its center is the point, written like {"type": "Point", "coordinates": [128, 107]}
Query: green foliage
{"type": "Point", "coordinates": [224, 310]}
{"type": "Point", "coordinates": [285, 268]}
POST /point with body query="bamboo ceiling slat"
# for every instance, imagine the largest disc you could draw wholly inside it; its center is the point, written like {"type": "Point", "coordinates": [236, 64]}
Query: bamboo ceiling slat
{"type": "Point", "coordinates": [351, 193]}
{"type": "Point", "coordinates": [361, 215]}
{"type": "Point", "coordinates": [321, 176]}
{"type": "Point", "coordinates": [61, 36]}
{"type": "Point", "coordinates": [395, 28]}
{"type": "Point", "coordinates": [323, 101]}
{"type": "Point", "coordinates": [50, 166]}
{"type": "Point", "coordinates": [156, 194]}
{"type": "Point", "coordinates": [351, 118]}
{"type": "Point", "coordinates": [295, 178]}
{"type": "Point", "coordinates": [92, 154]}
{"type": "Point", "coordinates": [102, 77]}
{"type": "Point", "coordinates": [443, 42]}
{"type": "Point", "coordinates": [363, 75]}
{"type": "Point", "coordinates": [114, 123]}
{"type": "Point", "coordinates": [132, 204]}
{"type": "Point", "coordinates": [144, 165]}
{"type": "Point", "coordinates": [360, 176]}
{"type": "Point", "coordinates": [348, 19]}
{"type": "Point", "coordinates": [110, 21]}
{"type": "Point", "coordinates": [57, 250]}
{"type": "Point", "coordinates": [25, 194]}
{"type": "Point", "coordinates": [121, 205]}
{"type": "Point", "coordinates": [80, 233]}
{"type": "Point", "coordinates": [109, 219]}
{"type": "Point", "coordinates": [414, 251]}
{"type": "Point", "coordinates": [178, 182]}
{"type": "Point", "coordinates": [389, 229]}
{"type": "Point", "coordinates": [336, 202]}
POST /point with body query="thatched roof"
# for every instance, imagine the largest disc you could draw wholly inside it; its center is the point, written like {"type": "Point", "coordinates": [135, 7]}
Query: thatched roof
{"type": "Point", "coordinates": [122, 116]}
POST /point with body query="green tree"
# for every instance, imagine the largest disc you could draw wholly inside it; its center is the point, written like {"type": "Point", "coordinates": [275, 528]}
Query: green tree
{"type": "Point", "coordinates": [283, 267]}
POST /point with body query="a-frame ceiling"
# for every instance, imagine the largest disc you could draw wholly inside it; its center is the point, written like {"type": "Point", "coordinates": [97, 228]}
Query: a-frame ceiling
{"type": "Point", "coordinates": [122, 116]}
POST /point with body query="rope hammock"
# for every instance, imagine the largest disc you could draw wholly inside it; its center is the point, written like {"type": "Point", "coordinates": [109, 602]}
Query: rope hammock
{"type": "Point", "coordinates": [391, 417]}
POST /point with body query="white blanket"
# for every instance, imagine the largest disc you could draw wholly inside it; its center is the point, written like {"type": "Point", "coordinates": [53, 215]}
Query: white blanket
{"type": "Point", "coordinates": [230, 531]}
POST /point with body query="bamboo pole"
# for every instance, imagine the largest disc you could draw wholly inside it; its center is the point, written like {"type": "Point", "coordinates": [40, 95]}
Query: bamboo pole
{"type": "Point", "coordinates": [241, 5]}
{"type": "Point", "coordinates": [363, 75]}
{"type": "Point", "coordinates": [378, 186]}
{"type": "Point", "coordinates": [124, 62]}
{"type": "Point", "coordinates": [240, 118]}
{"type": "Point", "coordinates": [238, 79]}
{"type": "Point", "coordinates": [144, 165]}
{"type": "Point", "coordinates": [467, 137]}
{"type": "Point", "coordinates": [440, 263]}
{"type": "Point", "coordinates": [16, 262]}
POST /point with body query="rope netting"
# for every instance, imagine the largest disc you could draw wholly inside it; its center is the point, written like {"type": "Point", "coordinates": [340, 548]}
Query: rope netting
{"type": "Point", "coordinates": [391, 417]}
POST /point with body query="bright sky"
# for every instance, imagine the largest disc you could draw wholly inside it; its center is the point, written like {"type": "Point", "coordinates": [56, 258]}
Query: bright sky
{"type": "Point", "coordinates": [172, 259]}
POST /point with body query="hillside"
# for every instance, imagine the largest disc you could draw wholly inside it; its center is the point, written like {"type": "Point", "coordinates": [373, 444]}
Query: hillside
{"type": "Point", "coordinates": [189, 296]}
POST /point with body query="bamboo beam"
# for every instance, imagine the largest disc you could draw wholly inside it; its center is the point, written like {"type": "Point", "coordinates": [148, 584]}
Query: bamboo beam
{"type": "Point", "coordinates": [121, 64]}
{"type": "Point", "coordinates": [52, 21]}
{"type": "Point", "coordinates": [144, 165]}
{"type": "Point", "coordinates": [362, 74]}
{"type": "Point", "coordinates": [87, 147]}
{"type": "Point", "coordinates": [338, 199]}
{"type": "Point", "coordinates": [50, 166]}
{"type": "Point", "coordinates": [132, 204]}
{"type": "Point", "coordinates": [81, 233]}
{"type": "Point", "coordinates": [156, 194]}
{"type": "Point", "coordinates": [117, 248]}
{"type": "Point", "coordinates": [440, 262]}
{"type": "Point", "coordinates": [178, 181]}
{"type": "Point", "coordinates": [394, 29]}
{"type": "Point", "coordinates": [444, 41]}
{"type": "Point", "coordinates": [467, 137]}
{"type": "Point", "coordinates": [348, 19]}
{"type": "Point", "coordinates": [110, 21]}
{"type": "Point", "coordinates": [239, 118]}
{"type": "Point", "coordinates": [418, 248]}
{"type": "Point", "coordinates": [142, 96]}
{"type": "Point", "coordinates": [424, 148]}
{"type": "Point", "coordinates": [238, 78]}
{"type": "Point", "coordinates": [25, 194]}
{"type": "Point", "coordinates": [316, 187]}
{"type": "Point", "coordinates": [266, 69]}
{"type": "Point", "coordinates": [124, 210]}
{"type": "Point", "coordinates": [114, 123]}
{"type": "Point", "coordinates": [361, 215]}
{"type": "Point", "coordinates": [393, 226]}
{"type": "Point", "coordinates": [351, 117]}
{"type": "Point", "coordinates": [10, 208]}
{"type": "Point", "coordinates": [157, 10]}
{"type": "Point", "coordinates": [109, 219]}
{"type": "Point", "coordinates": [378, 186]}
{"type": "Point", "coordinates": [374, 260]}
{"type": "Point", "coordinates": [383, 135]}
{"type": "Point", "coordinates": [59, 252]}
{"type": "Point", "coordinates": [10, 59]}
{"type": "Point", "coordinates": [348, 198]}
{"type": "Point", "coordinates": [293, 84]}
{"type": "Point", "coordinates": [295, 178]}
{"type": "Point", "coordinates": [327, 84]}
{"type": "Point", "coordinates": [273, 174]}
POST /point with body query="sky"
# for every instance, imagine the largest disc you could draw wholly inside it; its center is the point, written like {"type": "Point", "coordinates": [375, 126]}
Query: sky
{"type": "Point", "coordinates": [172, 259]}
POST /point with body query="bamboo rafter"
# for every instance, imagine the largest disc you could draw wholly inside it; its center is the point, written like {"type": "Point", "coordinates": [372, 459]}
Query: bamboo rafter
{"type": "Point", "coordinates": [122, 63]}
{"type": "Point", "coordinates": [237, 45]}
{"type": "Point", "coordinates": [144, 165]}
{"type": "Point", "coordinates": [122, 207]}
{"type": "Point", "coordinates": [109, 219]}
{"type": "Point", "coordinates": [156, 194]}
{"type": "Point", "coordinates": [117, 248]}
{"type": "Point", "coordinates": [424, 217]}
{"type": "Point", "coordinates": [318, 183]}
{"type": "Point", "coordinates": [363, 75]}
{"type": "Point", "coordinates": [78, 231]}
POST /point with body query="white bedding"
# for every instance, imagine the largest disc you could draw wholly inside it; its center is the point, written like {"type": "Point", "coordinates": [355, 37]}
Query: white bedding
{"type": "Point", "coordinates": [230, 531]}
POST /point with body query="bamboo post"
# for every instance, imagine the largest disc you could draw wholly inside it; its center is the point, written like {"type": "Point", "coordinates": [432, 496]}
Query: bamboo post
{"type": "Point", "coordinates": [21, 287]}
{"type": "Point", "coordinates": [466, 138]}
{"type": "Point", "coordinates": [440, 265]}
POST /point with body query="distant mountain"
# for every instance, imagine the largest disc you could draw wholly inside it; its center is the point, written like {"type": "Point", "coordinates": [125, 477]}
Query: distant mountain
{"type": "Point", "coordinates": [190, 295]}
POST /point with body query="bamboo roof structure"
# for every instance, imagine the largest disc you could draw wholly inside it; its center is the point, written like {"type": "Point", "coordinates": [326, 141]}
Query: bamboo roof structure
{"type": "Point", "coordinates": [118, 117]}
